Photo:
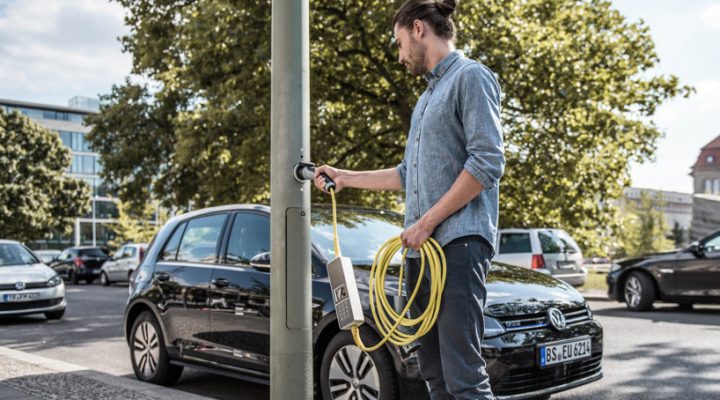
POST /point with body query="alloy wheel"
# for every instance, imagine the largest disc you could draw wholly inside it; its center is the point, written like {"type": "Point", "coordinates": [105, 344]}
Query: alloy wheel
{"type": "Point", "coordinates": [146, 348]}
{"type": "Point", "coordinates": [633, 291]}
{"type": "Point", "coordinates": [353, 375]}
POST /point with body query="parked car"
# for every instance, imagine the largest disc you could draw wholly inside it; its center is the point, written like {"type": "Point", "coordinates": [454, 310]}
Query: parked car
{"type": "Point", "coordinates": [47, 256]}
{"type": "Point", "coordinates": [27, 286]}
{"type": "Point", "coordinates": [686, 276]}
{"type": "Point", "coordinates": [201, 297]}
{"type": "Point", "coordinates": [598, 264]}
{"type": "Point", "coordinates": [549, 251]}
{"type": "Point", "coordinates": [122, 264]}
{"type": "Point", "coordinates": [77, 264]}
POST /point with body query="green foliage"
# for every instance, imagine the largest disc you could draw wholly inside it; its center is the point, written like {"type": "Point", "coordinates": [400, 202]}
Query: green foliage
{"type": "Point", "coordinates": [642, 229]}
{"type": "Point", "coordinates": [679, 234]}
{"type": "Point", "coordinates": [36, 196]}
{"type": "Point", "coordinates": [137, 227]}
{"type": "Point", "coordinates": [578, 94]}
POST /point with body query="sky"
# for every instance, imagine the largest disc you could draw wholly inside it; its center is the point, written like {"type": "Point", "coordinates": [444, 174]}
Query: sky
{"type": "Point", "coordinates": [53, 50]}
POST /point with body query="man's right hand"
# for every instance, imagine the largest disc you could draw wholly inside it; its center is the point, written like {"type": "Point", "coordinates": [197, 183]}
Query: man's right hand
{"type": "Point", "coordinates": [333, 173]}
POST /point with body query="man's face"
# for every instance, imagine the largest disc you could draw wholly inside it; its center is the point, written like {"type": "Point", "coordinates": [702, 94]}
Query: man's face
{"type": "Point", "coordinates": [411, 52]}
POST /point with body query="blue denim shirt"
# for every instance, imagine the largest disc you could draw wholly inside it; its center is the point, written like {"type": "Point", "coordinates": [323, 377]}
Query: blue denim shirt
{"type": "Point", "coordinates": [455, 125]}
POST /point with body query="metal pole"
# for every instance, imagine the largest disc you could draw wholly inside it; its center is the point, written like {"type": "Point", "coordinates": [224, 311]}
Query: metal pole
{"type": "Point", "coordinates": [290, 318]}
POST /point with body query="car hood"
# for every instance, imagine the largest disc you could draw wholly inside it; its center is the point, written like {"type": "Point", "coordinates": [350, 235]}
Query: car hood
{"type": "Point", "coordinates": [511, 290]}
{"type": "Point", "coordinates": [25, 273]}
{"type": "Point", "coordinates": [652, 256]}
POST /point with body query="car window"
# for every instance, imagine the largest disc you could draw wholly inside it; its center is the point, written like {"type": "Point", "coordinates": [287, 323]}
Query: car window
{"type": "Point", "coordinates": [129, 252]}
{"type": "Point", "coordinates": [200, 239]}
{"type": "Point", "coordinates": [14, 254]}
{"type": "Point", "coordinates": [568, 241]}
{"type": "Point", "coordinates": [511, 242]}
{"type": "Point", "coordinates": [712, 245]}
{"type": "Point", "coordinates": [119, 253]}
{"type": "Point", "coordinates": [93, 253]}
{"type": "Point", "coordinates": [171, 247]}
{"type": "Point", "coordinates": [550, 243]}
{"type": "Point", "coordinates": [249, 237]}
{"type": "Point", "coordinates": [63, 255]}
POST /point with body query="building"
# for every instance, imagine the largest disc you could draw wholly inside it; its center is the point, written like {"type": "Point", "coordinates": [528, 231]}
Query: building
{"type": "Point", "coordinates": [95, 228]}
{"type": "Point", "coordinates": [706, 184]}
{"type": "Point", "coordinates": [675, 206]}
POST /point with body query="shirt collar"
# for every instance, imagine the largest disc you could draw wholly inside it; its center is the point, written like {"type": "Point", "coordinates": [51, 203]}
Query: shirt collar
{"type": "Point", "coordinates": [443, 66]}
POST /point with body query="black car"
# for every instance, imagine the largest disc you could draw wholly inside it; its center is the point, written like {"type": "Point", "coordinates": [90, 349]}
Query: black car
{"type": "Point", "coordinates": [202, 298]}
{"type": "Point", "coordinates": [686, 276]}
{"type": "Point", "coordinates": [77, 264]}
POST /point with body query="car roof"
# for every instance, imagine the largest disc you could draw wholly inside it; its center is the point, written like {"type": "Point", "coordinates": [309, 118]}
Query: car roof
{"type": "Point", "coordinates": [512, 230]}
{"type": "Point", "coordinates": [266, 208]}
{"type": "Point", "coordinates": [7, 241]}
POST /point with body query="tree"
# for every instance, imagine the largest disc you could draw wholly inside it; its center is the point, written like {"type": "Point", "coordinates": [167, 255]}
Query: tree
{"type": "Point", "coordinates": [137, 227]}
{"type": "Point", "coordinates": [678, 234]}
{"type": "Point", "coordinates": [36, 196]}
{"type": "Point", "coordinates": [578, 97]}
{"type": "Point", "coordinates": [643, 228]}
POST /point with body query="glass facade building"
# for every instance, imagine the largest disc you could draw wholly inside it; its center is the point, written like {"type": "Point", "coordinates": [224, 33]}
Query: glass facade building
{"type": "Point", "coordinates": [94, 228]}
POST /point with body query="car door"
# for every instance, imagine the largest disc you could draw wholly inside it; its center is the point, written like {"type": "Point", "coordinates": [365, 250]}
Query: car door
{"type": "Point", "coordinates": [182, 276]}
{"type": "Point", "coordinates": [127, 263]}
{"type": "Point", "coordinates": [60, 265]}
{"type": "Point", "coordinates": [112, 266]}
{"type": "Point", "coordinates": [698, 275]}
{"type": "Point", "coordinates": [240, 296]}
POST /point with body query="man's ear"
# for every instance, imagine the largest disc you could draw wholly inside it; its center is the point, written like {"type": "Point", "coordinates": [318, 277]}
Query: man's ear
{"type": "Point", "coordinates": [418, 28]}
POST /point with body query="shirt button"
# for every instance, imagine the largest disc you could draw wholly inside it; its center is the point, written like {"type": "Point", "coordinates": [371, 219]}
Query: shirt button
{"type": "Point", "coordinates": [417, 140]}
{"type": "Point", "coordinates": [414, 165]}
{"type": "Point", "coordinates": [415, 191]}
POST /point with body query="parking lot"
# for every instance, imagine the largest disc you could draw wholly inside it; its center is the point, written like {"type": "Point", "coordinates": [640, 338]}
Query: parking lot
{"type": "Point", "coordinates": [665, 354]}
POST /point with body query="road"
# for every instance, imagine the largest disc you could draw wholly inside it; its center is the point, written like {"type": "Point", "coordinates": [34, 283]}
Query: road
{"type": "Point", "coordinates": [664, 354]}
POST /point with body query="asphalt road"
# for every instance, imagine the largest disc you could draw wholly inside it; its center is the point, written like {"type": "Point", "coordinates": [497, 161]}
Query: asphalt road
{"type": "Point", "coordinates": [664, 354]}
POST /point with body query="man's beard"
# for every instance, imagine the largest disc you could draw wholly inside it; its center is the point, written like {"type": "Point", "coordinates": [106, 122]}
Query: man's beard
{"type": "Point", "coordinates": [416, 62]}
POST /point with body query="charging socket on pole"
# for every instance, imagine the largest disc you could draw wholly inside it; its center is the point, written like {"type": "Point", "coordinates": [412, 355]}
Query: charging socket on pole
{"type": "Point", "coordinates": [345, 293]}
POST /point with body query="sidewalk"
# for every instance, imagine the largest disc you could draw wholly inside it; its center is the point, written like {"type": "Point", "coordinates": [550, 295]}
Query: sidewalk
{"type": "Point", "coordinates": [26, 376]}
{"type": "Point", "coordinates": [595, 295]}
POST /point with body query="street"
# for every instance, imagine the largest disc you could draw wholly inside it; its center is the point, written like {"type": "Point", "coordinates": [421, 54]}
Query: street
{"type": "Point", "coordinates": [665, 354]}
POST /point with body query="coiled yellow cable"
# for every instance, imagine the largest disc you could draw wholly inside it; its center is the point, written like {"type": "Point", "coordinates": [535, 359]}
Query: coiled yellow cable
{"type": "Point", "coordinates": [387, 320]}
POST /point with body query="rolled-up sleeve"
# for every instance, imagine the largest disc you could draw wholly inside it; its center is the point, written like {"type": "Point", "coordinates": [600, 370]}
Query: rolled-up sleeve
{"type": "Point", "coordinates": [402, 171]}
{"type": "Point", "coordinates": [479, 104]}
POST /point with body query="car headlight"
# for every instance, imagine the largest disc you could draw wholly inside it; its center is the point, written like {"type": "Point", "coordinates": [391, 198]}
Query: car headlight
{"type": "Point", "coordinates": [54, 281]}
{"type": "Point", "coordinates": [615, 267]}
{"type": "Point", "coordinates": [493, 327]}
{"type": "Point", "coordinates": [590, 314]}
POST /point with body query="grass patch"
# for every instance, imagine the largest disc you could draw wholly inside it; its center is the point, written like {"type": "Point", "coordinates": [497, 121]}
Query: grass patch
{"type": "Point", "coordinates": [595, 281]}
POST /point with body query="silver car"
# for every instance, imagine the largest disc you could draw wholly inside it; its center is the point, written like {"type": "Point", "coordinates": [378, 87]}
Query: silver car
{"type": "Point", "coordinates": [27, 286]}
{"type": "Point", "coordinates": [122, 264]}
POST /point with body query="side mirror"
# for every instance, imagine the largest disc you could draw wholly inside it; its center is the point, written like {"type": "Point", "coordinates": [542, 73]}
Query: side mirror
{"type": "Point", "coordinates": [261, 261]}
{"type": "Point", "coordinates": [696, 248]}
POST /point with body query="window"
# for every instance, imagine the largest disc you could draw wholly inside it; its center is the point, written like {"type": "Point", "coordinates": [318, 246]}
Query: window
{"type": "Point", "coordinates": [88, 165]}
{"type": "Point", "coordinates": [712, 245]}
{"type": "Point", "coordinates": [550, 243]}
{"type": "Point", "coordinates": [201, 238]}
{"type": "Point", "coordinates": [710, 159]}
{"type": "Point", "coordinates": [171, 247]}
{"type": "Point", "coordinates": [568, 243]}
{"type": "Point", "coordinates": [15, 254]}
{"type": "Point", "coordinates": [250, 236]}
{"type": "Point", "coordinates": [708, 186]}
{"type": "Point", "coordinates": [106, 210]}
{"type": "Point", "coordinates": [716, 186]}
{"type": "Point", "coordinates": [515, 243]}
{"type": "Point", "coordinates": [94, 252]}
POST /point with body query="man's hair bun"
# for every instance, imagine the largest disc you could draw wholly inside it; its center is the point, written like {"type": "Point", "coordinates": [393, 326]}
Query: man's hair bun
{"type": "Point", "coordinates": [446, 7]}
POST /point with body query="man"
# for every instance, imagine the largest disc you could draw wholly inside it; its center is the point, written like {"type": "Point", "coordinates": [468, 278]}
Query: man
{"type": "Point", "coordinates": [450, 173]}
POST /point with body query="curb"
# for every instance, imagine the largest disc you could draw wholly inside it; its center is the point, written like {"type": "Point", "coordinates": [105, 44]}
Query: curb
{"type": "Point", "coordinates": [595, 296]}
{"type": "Point", "coordinates": [139, 387]}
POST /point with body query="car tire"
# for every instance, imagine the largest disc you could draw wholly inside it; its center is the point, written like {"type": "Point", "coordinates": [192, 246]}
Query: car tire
{"type": "Point", "coordinates": [104, 280]}
{"type": "Point", "coordinates": [148, 354]}
{"type": "Point", "coordinates": [346, 368]}
{"type": "Point", "coordinates": [53, 315]}
{"type": "Point", "coordinates": [639, 292]}
{"type": "Point", "coordinates": [89, 281]}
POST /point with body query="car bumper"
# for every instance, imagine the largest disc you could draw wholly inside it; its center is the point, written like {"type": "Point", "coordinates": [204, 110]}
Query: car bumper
{"type": "Point", "coordinates": [50, 299]}
{"type": "Point", "coordinates": [575, 279]}
{"type": "Point", "coordinates": [613, 287]}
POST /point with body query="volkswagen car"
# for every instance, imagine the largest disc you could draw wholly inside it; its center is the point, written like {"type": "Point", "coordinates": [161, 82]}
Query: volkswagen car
{"type": "Point", "coordinates": [27, 286]}
{"type": "Point", "coordinates": [201, 298]}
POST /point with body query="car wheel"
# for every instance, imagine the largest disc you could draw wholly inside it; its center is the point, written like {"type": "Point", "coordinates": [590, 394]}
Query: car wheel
{"type": "Point", "coordinates": [104, 279]}
{"type": "Point", "coordinates": [52, 315]}
{"type": "Point", "coordinates": [148, 354]}
{"type": "Point", "coordinates": [639, 292]}
{"type": "Point", "coordinates": [89, 281]}
{"type": "Point", "coordinates": [73, 278]}
{"type": "Point", "coordinates": [685, 306]}
{"type": "Point", "coordinates": [347, 372]}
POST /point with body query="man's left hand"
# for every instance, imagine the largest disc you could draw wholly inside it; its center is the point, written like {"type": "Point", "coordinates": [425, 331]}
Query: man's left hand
{"type": "Point", "coordinates": [414, 236]}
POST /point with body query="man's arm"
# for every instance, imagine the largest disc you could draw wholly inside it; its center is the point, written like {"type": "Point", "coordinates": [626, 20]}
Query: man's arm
{"type": "Point", "coordinates": [381, 179]}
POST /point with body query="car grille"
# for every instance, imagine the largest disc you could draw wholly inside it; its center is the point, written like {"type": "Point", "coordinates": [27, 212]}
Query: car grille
{"type": "Point", "coordinates": [523, 380]}
{"type": "Point", "coordinates": [28, 285]}
{"type": "Point", "coordinates": [573, 316]}
{"type": "Point", "coordinates": [28, 305]}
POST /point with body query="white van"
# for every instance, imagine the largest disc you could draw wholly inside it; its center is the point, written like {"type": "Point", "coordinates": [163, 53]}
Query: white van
{"type": "Point", "coordinates": [550, 251]}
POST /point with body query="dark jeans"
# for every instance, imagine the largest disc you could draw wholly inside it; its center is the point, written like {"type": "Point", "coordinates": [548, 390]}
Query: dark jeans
{"type": "Point", "coordinates": [449, 357]}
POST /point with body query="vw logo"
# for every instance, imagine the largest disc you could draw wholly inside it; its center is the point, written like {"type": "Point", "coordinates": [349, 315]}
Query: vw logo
{"type": "Point", "coordinates": [556, 318]}
{"type": "Point", "coordinates": [19, 285]}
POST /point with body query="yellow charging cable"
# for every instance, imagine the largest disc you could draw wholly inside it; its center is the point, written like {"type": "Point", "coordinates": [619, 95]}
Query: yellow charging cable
{"type": "Point", "coordinates": [387, 320]}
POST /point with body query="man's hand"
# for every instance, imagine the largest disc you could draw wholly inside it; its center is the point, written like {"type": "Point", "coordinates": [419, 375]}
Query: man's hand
{"type": "Point", "coordinates": [333, 173]}
{"type": "Point", "coordinates": [414, 236]}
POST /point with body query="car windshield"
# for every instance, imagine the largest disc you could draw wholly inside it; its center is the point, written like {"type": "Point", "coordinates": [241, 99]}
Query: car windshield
{"type": "Point", "coordinates": [361, 233]}
{"type": "Point", "coordinates": [93, 253]}
{"type": "Point", "coordinates": [15, 254]}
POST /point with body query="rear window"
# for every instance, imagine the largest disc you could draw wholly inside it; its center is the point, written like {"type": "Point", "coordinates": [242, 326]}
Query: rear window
{"type": "Point", "coordinates": [557, 241]}
{"type": "Point", "coordinates": [515, 243]}
{"type": "Point", "coordinates": [92, 253]}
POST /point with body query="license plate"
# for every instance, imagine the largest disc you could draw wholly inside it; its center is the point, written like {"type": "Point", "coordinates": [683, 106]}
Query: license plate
{"type": "Point", "coordinates": [18, 297]}
{"type": "Point", "coordinates": [565, 264]}
{"type": "Point", "coordinates": [560, 352]}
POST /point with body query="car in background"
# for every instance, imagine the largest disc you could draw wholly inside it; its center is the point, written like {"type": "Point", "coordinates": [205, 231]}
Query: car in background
{"type": "Point", "coordinates": [686, 276]}
{"type": "Point", "coordinates": [549, 251]}
{"type": "Point", "coordinates": [27, 286]}
{"type": "Point", "coordinates": [47, 256]}
{"type": "Point", "coordinates": [122, 264]}
{"type": "Point", "coordinates": [201, 298]}
{"type": "Point", "coordinates": [77, 264]}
